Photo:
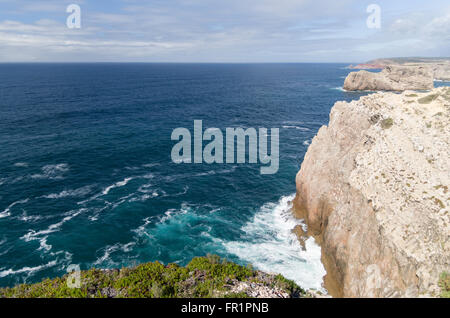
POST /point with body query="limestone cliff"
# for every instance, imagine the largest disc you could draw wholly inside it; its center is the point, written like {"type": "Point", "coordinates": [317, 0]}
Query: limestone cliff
{"type": "Point", "coordinates": [373, 188]}
{"type": "Point", "coordinates": [439, 66]}
{"type": "Point", "coordinates": [392, 78]}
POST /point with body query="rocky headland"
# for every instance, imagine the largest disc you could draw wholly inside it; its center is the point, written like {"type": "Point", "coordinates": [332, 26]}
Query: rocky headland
{"type": "Point", "coordinates": [373, 189]}
{"type": "Point", "coordinates": [391, 78]}
{"type": "Point", "coordinates": [439, 66]}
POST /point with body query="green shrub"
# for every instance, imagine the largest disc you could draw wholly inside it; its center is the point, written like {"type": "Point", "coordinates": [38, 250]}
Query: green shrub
{"type": "Point", "coordinates": [428, 99]}
{"type": "Point", "coordinates": [444, 283]}
{"type": "Point", "coordinates": [202, 277]}
{"type": "Point", "coordinates": [387, 123]}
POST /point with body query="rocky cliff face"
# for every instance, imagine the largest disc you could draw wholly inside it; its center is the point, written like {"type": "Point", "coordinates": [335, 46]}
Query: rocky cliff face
{"type": "Point", "coordinates": [374, 190]}
{"type": "Point", "coordinates": [441, 71]}
{"type": "Point", "coordinates": [392, 78]}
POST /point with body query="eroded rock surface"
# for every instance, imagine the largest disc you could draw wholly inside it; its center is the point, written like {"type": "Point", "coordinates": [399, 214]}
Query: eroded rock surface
{"type": "Point", "coordinates": [392, 78]}
{"type": "Point", "coordinates": [374, 189]}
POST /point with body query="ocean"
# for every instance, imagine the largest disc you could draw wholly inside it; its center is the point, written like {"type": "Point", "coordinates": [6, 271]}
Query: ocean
{"type": "Point", "coordinates": [86, 175]}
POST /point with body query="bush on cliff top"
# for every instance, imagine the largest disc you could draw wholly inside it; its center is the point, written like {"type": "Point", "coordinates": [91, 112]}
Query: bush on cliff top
{"type": "Point", "coordinates": [444, 283]}
{"type": "Point", "coordinates": [428, 99]}
{"type": "Point", "coordinates": [202, 277]}
{"type": "Point", "coordinates": [387, 123]}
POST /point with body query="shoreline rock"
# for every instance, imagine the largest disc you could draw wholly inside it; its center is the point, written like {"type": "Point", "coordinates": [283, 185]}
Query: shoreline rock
{"type": "Point", "coordinates": [373, 190]}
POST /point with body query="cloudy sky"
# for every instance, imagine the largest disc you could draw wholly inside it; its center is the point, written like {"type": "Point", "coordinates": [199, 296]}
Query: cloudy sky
{"type": "Point", "coordinates": [222, 30]}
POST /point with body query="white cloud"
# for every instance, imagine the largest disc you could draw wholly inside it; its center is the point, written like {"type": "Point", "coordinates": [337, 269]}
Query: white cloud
{"type": "Point", "coordinates": [215, 31]}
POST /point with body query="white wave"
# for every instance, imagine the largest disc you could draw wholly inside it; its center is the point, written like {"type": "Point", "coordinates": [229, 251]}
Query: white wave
{"type": "Point", "coordinates": [7, 211]}
{"type": "Point", "coordinates": [29, 218]}
{"type": "Point", "coordinates": [2, 180]}
{"type": "Point", "coordinates": [69, 193]}
{"type": "Point", "coordinates": [119, 184]}
{"type": "Point", "coordinates": [33, 235]}
{"type": "Point", "coordinates": [53, 172]}
{"type": "Point", "coordinates": [144, 197]}
{"type": "Point", "coordinates": [339, 88]}
{"type": "Point", "coordinates": [150, 165]}
{"type": "Point", "coordinates": [270, 245]}
{"type": "Point", "coordinates": [293, 122]}
{"type": "Point", "coordinates": [140, 231]}
{"type": "Point", "coordinates": [108, 250]}
{"type": "Point", "coordinates": [28, 270]}
{"type": "Point", "coordinates": [21, 164]}
{"type": "Point", "coordinates": [200, 174]}
{"type": "Point", "coordinates": [306, 143]}
{"type": "Point", "coordinates": [169, 214]}
{"type": "Point", "coordinates": [296, 127]}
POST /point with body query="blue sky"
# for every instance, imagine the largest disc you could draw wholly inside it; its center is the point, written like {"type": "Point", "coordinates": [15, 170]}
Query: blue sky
{"type": "Point", "coordinates": [221, 31]}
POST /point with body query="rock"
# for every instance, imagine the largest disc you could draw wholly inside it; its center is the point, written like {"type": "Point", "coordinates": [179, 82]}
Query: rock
{"type": "Point", "coordinates": [373, 198]}
{"type": "Point", "coordinates": [301, 235]}
{"type": "Point", "coordinates": [439, 66]}
{"type": "Point", "coordinates": [441, 71]}
{"type": "Point", "coordinates": [392, 78]}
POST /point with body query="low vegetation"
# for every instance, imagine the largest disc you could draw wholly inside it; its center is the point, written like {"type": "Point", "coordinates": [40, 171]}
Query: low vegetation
{"type": "Point", "coordinates": [428, 99]}
{"type": "Point", "coordinates": [444, 283]}
{"type": "Point", "coordinates": [387, 123]}
{"type": "Point", "coordinates": [208, 276]}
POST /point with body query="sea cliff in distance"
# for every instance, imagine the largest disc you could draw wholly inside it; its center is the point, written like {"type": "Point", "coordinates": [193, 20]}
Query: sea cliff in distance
{"type": "Point", "coordinates": [439, 66]}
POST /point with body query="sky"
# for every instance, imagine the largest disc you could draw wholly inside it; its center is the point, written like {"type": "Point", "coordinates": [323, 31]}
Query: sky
{"type": "Point", "coordinates": [233, 31]}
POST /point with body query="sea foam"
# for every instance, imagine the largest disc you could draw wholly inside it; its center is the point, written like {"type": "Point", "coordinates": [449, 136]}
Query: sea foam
{"type": "Point", "coordinates": [270, 245]}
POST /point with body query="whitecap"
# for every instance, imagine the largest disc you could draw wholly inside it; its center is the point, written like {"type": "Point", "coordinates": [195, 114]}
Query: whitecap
{"type": "Point", "coordinates": [296, 127]}
{"type": "Point", "coordinates": [53, 172]}
{"type": "Point", "coordinates": [21, 164]}
{"type": "Point", "coordinates": [270, 245]}
{"type": "Point", "coordinates": [29, 218]}
{"type": "Point", "coordinates": [150, 165]}
{"type": "Point", "coordinates": [108, 250]}
{"type": "Point", "coordinates": [69, 193]}
{"type": "Point", "coordinates": [7, 211]}
{"type": "Point", "coordinates": [339, 88]}
{"type": "Point", "coordinates": [28, 270]}
{"type": "Point", "coordinates": [140, 231]}
{"type": "Point", "coordinates": [144, 197]}
{"type": "Point", "coordinates": [306, 143]}
{"type": "Point", "coordinates": [119, 184]}
{"type": "Point", "coordinates": [34, 235]}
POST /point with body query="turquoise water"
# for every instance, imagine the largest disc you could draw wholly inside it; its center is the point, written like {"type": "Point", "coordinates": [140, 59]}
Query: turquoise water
{"type": "Point", "coordinates": [86, 175]}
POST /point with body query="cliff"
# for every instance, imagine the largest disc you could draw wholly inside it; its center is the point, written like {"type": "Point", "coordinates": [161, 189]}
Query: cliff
{"type": "Point", "coordinates": [373, 189]}
{"type": "Point", "coordinates": [392, 78]}
{"type": "Point", "coordinates": [439, 66]}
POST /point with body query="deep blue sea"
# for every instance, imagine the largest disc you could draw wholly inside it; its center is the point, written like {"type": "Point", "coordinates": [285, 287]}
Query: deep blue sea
{"type": "Point", "coordinates": [86, 175]}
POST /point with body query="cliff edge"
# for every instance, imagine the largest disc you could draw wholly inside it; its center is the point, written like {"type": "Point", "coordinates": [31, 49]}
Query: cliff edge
{"type": "Point", "coordinates": [374, 190]}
